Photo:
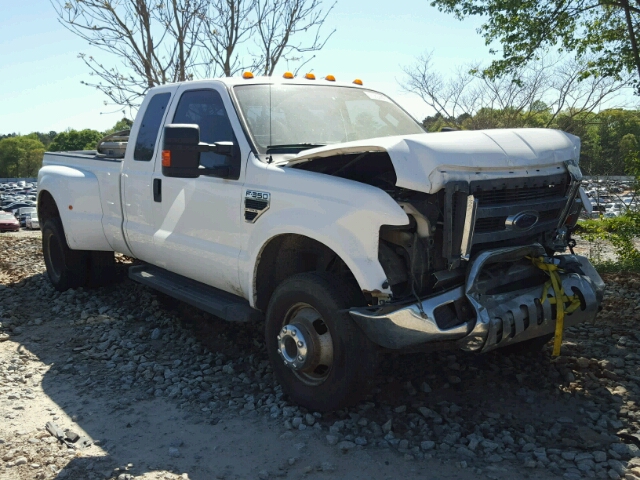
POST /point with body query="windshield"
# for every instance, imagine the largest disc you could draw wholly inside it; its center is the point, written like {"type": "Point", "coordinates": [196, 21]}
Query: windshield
{"type": "Point", "coordinates": [313, 115]}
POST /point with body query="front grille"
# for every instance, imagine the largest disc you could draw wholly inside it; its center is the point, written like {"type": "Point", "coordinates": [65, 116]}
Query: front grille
{"type": "Point", "coordinates": [499, 199]}
{"type": "Point", "coordinates": [550, 215]}
{"type": "Point", "coordinates": [494, 201]}
{"type": "Point", "coordinates": [495, 224]}
{"type": "Point", "coordinates": [490, 224]}
{"type": "Point", "coordinates": [495, 196]}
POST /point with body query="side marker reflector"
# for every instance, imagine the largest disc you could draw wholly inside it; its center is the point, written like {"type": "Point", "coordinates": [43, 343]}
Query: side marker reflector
{"type": "Point", "coordinates": [166, 158]}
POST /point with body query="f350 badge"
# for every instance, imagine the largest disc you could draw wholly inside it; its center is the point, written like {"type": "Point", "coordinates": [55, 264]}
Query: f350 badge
{"type": "Point", "coordinates": [255, 204]}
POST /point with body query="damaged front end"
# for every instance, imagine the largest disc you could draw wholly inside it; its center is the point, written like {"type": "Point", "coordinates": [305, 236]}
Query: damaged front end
{"type": "Point", "coordinates": [462, 271]}
{"type": "Point", "coordinates": [499, 304]}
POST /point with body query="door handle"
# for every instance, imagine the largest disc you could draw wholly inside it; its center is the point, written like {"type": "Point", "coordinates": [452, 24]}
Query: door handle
{"type": "Point", "coordinates": [157, 189]}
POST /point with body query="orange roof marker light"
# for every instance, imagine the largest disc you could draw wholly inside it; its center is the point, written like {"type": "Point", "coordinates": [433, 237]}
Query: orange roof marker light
{"type": "Point", "coordinates": [310, 76]}
{"type": "Point", "coordinates": [330, 78]}
{"type": "Point", "coordinates": [357, 81]}
{"type": "Point", "coordinates": [247, 75]}
{"type": "Point", "coordinates": [288, 75]}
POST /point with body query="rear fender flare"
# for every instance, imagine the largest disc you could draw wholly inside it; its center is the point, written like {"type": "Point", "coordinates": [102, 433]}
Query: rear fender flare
{"type": "Point", "coordinates": [76, 193]}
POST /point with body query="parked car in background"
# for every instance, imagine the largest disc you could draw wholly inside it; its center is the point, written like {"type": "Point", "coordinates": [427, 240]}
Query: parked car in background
{"type": "Point", "coordinates": [12, 207]}
{"type": "Point", "coordinates": [22, 213]}
{"type": "Point", "coordinates": [31, 221]}
{"type": "Point", "coordinates": [8, 223]}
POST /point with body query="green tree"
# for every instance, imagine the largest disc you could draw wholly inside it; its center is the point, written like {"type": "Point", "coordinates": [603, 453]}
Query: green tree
{"type": "Point", "coordinates": [20, 156]}
{"type": "Point", "coordinates": [604, 31]}
{"type": "Point", "coordinates": [45, 138]}
{"type": "Point", "coordinates": [123, 124]}
{"type": "Point", "coordinates": [613, 126]}
{"type": "Point", "coordinates": [75, 140]}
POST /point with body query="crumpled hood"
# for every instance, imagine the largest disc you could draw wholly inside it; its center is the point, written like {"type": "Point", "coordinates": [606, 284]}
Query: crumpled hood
{"type": "Point", "coordinates": [425, 162]}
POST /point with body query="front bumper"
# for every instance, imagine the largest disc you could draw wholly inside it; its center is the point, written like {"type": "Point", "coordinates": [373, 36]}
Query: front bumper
{"type": "Point", "coordinates": [499, 320]}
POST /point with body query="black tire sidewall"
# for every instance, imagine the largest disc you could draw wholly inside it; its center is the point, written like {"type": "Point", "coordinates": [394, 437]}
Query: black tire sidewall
{"type": "Point", "coordinates": [353, 355]}
{"type": "Point", "coordinates": [48, 231]}
{"type": "Point", "coordinates": [69, 276]}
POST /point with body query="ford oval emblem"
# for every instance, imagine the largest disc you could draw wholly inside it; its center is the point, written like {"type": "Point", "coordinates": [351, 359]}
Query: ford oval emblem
{"type": "Point", "coordinates": [522, 220]}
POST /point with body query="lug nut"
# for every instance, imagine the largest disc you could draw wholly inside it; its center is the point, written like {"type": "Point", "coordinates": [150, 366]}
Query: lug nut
{"type": "Point", "coordinates": [284, 329]}
{"type": "Point", "coordinates": [300, 344]}
{"type": "Point", "coordinates": [293, 333]}
{"type": "Point", "coordinates": [279, 351]}
{"type": "Point", "coordinates": [279, 337]}
{"type": "Point", "coordinates": [300, 358]}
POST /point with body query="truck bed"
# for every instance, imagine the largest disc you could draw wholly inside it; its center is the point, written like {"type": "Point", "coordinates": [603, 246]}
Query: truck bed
{"type": "Point", "coordinates": [89, 198]}
{"type": "Point", "coordinates": [83, 154]}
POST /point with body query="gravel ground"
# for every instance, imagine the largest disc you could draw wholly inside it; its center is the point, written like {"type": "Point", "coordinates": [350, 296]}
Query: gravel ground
{"type": "Point", "coordinates": [164, 391]}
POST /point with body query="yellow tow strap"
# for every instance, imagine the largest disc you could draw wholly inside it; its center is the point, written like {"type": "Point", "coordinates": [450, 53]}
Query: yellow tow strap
{"type": "Point", "coordinates": [567, 304]}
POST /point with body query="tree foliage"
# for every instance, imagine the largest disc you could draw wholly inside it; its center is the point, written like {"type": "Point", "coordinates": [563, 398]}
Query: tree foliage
{"type": "Point", "coordinates": [547, 93]}
{"type": "Point", "coordinates": [605, 32]}
{"type": "Point", "coordinates": [20, 156]}
{"type": "Point", "coordinates": [549, 85]}
{"type": "Point", "coordinates": [122, 124]}
{"type": "Point", "coordinates": [610, 138]}
{"type": "Point", "coordinates": [45, 138]}
{"type": "Point", "coordinates": [75, 140]}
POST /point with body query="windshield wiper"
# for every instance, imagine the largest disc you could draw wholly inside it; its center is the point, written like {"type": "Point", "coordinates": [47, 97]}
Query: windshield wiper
{"type": "Point", "coordinates": [292, 147]}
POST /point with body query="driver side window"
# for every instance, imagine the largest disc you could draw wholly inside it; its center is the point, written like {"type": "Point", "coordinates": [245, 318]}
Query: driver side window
{"type": "Point", "coordinates": [205, 108]}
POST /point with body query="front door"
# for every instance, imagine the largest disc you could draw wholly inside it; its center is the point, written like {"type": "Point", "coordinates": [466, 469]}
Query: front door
{"type": "Point", "coordinates": [198, 221]}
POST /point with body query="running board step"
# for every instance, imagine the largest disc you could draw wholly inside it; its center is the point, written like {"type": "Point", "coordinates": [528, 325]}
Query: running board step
{"type": "Point", "coordinates": [212, 300]}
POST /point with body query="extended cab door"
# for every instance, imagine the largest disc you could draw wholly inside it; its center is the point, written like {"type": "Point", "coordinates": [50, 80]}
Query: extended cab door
{"type": "Point", "coordinates": [198, 220]}
{"type": "Point", "coordinates": [137, 188]}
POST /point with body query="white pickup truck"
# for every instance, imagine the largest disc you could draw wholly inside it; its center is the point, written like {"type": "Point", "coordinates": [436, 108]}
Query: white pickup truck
{"type": "Point", "coordinates": [325, 210]}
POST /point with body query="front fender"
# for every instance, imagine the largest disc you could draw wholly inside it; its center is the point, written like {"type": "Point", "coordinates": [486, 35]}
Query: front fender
{"type": "Point", "coordinates": [341, 214]}
{"type": "Point", "coordinates": [77, 195]}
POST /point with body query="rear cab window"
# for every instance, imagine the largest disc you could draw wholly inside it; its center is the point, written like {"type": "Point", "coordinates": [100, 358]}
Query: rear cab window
{"type": "Point", "coordinates": [150, 127]}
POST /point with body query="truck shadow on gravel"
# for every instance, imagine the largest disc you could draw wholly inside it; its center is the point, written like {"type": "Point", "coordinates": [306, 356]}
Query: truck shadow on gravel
{"type": "Point", "coordinates": [161, 386]}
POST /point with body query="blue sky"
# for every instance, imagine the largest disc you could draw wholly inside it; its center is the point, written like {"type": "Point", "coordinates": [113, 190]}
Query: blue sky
{"type": "Point", "coordinates": [40, 73]}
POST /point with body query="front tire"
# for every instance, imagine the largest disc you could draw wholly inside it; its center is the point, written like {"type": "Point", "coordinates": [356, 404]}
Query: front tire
{"type": "Point", "coordinates": [321, 358]}
{"type": "Point", "coordinates": [66, 268]}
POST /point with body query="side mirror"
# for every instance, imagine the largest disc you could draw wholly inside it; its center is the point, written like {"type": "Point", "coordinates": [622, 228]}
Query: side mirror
{"type": "Point", "coordinates": [180, 157]}
{"type": "Point", "coordinates": [181, 153]}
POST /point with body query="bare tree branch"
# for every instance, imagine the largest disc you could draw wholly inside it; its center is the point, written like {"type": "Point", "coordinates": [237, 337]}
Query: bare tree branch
{"type": "Point", "coordinates": [277, 22]}
{"type": "Point", "coordinates": [469, 99]}
{"type": "Point", "coordinates": [154, 42]}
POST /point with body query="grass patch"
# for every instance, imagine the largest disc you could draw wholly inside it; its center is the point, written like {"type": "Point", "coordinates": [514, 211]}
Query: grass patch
{"type": "Point", "coordinates": [620, 232]}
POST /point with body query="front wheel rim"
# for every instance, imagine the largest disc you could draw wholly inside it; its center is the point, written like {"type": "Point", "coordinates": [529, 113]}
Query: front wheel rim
{"type": "Point", "coordinates": [305, 344]}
